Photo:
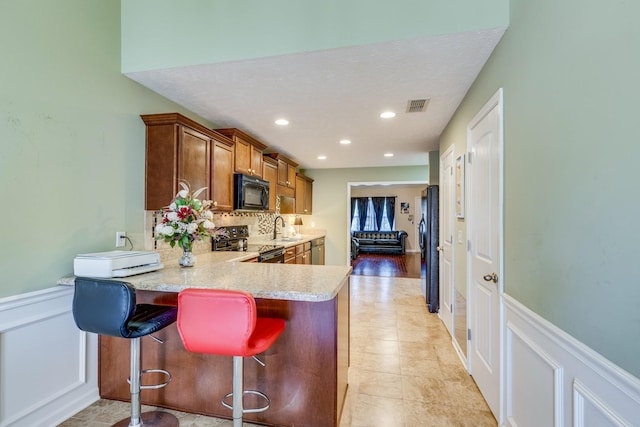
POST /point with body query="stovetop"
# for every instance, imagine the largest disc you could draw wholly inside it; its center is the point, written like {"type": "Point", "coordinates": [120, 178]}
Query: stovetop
{"type": "Point", "coordinates": [236, 241]}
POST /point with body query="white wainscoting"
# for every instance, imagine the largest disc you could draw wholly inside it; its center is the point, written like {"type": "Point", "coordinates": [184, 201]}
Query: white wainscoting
{"type": "Point", "coordinates": [552, 379]}
{"type": "Point", "coordinates": [48, 367]}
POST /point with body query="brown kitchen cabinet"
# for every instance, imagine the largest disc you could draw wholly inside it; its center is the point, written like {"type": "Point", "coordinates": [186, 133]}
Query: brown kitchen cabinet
{"type": "Point", "coordinates": [270, 174]}
{"type": "Point", "coordinates": [290, 255]}
{"type": "Point", "coordinates": [286, 174]}
{"type": "Point", "coordinates": [178, 148]}
{"type": "Point", "coordinates": [248, 151]}
{"type": "Point", "coordinates": [303, 253]}
{"type": "Point", "coordinates": [222, 173]}
{"type": "Point", "coordinates": [304, 195]}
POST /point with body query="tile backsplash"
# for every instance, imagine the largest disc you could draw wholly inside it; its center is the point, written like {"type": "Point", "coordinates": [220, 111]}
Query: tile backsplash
{"type": "Point", "coordinates": [260, 224]}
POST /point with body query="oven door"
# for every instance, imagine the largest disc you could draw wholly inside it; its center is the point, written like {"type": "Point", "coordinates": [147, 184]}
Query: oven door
{"type": "Point", "coordinates": [275, 257]}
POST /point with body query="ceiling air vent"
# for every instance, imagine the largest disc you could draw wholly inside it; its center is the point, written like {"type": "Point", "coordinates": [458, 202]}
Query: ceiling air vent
{"type": "Point", "coordinates": [417, 105]}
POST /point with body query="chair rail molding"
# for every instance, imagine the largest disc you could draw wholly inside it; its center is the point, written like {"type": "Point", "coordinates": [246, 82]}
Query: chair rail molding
{"type": "Point", "coordinates": [49, 368]}
{"type": "Point", "coordinates": [552, 378]}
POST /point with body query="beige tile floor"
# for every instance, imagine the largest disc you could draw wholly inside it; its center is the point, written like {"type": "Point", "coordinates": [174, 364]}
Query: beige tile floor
{"type": "Point", "coordinates": [404, 371]}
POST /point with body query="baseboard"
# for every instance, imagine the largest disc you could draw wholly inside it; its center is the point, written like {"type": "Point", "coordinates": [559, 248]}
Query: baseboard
{"type": "Point", "coordinates": [552, 379]}
{"type": "Point", "coordinates": [49, 367]}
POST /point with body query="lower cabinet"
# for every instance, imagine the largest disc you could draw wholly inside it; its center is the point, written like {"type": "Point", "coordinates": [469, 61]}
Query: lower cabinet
{"type": "Point", "coordinates": [298, 254]}
{"type": "Point", "coordinates": [303, 253]}
{"type": "Point", "coordinates": [290, 255]}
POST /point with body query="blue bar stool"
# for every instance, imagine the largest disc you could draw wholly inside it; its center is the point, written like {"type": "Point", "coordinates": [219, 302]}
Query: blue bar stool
{"type": "Point", "coordinates": [108, 307]}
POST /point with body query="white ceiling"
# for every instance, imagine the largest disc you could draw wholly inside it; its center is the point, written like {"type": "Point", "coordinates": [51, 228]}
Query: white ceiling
{"type": "Point", "coordinates": [334, 94]}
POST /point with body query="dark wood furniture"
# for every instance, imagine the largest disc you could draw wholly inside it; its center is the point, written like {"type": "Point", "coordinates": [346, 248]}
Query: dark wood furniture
{"type": "Point", "coordinates": [306, 378]}
{"type": "Point", "coordinates": [178, 148]}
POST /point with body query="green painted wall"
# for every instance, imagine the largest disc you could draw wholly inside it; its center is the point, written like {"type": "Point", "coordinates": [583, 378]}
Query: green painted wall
{"type": "Point", "coordinates": [72, 142]}
{"type": "Point", "coordinates": [570, 76]}
{"type": "Point", "coordinates": [330, 201]}
{"type": "Point", "coordinates": [168, 33]}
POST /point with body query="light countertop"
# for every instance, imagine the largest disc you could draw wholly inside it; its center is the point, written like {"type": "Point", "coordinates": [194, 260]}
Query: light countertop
{"type": "Point", "coordinates": [225, 270]}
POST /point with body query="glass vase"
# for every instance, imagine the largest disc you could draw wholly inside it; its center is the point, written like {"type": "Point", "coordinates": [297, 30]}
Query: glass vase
{"type": "Point", "coordinates": [188, 259]}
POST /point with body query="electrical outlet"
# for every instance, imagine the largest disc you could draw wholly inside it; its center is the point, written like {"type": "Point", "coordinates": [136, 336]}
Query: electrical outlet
{"type": "Point", "coordinates": [120, 238]}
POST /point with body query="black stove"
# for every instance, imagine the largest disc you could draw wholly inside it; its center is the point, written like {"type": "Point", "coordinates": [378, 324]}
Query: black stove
{"type": "Point", "coordinates": [236, 241]}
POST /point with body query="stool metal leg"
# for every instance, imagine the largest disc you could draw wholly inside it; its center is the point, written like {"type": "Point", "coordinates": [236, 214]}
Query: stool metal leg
{"type": "Point", "coordinates": [238, 391]}
{"type": "Point", "coordinates": [138, 419]}
{"type": "Point", "coordinates": [237, 406]}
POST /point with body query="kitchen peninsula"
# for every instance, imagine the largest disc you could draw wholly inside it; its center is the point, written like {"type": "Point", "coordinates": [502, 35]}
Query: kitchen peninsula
{"type": "Point", "coordinates": [306, 372]}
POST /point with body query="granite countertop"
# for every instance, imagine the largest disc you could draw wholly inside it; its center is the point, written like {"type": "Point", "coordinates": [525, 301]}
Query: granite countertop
{"type": "Point", "coordinates": [225, 270]}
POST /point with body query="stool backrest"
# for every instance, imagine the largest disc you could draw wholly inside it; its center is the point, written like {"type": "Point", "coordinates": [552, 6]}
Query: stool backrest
{"type": "Point", "coordinates": [103, 306]}
{"type": "Point", "coordinates": [216, 321]}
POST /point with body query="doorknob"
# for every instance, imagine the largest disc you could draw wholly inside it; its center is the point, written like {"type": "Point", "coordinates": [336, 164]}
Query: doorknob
{"type": "Point", "coordinates": [493, 277]}
{"type": "Point", "coordinates": [439, 248]}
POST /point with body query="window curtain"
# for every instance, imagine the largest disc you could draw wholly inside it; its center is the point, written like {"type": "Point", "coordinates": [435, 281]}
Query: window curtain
{"type": "Point", "coordinates": [391, 210]}
{"type": "Point", "coordinates": [353, 209]}
{"type": "Point", "coordinates": [378, 208]}
{"type": "Point", "coordinates": [363, 210]}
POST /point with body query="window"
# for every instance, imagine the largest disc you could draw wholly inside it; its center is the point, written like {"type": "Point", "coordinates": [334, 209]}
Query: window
{"type": "Point", "coordinates": [370, 222]}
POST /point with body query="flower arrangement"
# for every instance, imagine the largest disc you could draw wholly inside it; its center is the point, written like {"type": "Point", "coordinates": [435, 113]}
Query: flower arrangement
{"type": "Point", "coordinates": [187, 219]}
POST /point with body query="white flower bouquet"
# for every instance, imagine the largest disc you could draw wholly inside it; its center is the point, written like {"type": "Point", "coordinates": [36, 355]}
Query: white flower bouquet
{"type": "Point", "coordinates": [187, 219]}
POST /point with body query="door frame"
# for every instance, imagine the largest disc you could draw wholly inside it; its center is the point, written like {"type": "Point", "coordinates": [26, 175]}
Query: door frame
{"type": "Point", "coordinates": [447, 318]}
{"type": "Point", "coordinates": [495, 100]}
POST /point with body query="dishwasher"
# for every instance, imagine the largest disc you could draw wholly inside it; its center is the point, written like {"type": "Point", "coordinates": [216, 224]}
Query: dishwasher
{"type": "Point", "coordinates": [317, 251]}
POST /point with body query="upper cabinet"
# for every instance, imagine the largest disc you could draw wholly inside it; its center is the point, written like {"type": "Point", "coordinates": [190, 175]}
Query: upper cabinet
{"type": "Point", "coordinates": [286, 175]}
{"type": "Point", "coordinates": [270, 173]}
{"type": "Point", "coordinates": [178, 148]}
{"type": "Point", "coordinates": [248, 152]}
{"type": "Point", "coordinates": [304, 195]}
{"type": "Point", "coordinates": [222, 173]}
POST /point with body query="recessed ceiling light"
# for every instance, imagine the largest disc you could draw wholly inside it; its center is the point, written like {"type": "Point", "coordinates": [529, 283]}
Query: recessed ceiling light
{"type": "Point", "coordinates": [388, 154]}
{"type": "Point", "coordinates": [322, 157]}
{"type": "Point", "coordinates": [388, 115]}
{"type": "Point", "coordinates": [282, 122]}
{"type": "Point", "coordinates": [345, 141]}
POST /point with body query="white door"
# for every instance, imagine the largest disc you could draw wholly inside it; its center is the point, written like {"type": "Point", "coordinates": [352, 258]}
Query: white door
{"type": "Point", "coordinates": [446, 240]}
{"type": "Point", "coordinates": [484, 222]}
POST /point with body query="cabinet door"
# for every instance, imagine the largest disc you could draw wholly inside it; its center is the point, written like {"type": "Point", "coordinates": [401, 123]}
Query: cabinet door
{"type": "Point", "coordinates": [256, 161]}
{"type": "Point", "coordinates": [270, 173]}
{"type": "Point", "coordinates": [301, 196]}
{"type": "Point", "coordinates": [222, 176]}
{"type": "Point", "coordinates": [193, 160]}
{"type": "Point", "coordinates": [283, 175]}
{"type": "Point", "coordinates": [291, 176]}
{"type": "Point", "coordinates": [308, 197]}
{"type": "Point", "coordinates": [242, 156]}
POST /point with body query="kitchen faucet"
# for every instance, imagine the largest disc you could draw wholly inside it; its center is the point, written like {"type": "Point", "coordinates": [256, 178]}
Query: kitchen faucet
{"type": "Point", "coordinates": [275, 226]}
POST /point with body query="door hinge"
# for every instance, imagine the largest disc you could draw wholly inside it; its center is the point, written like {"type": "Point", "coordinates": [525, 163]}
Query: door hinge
{"type": "Point", "coordinates": [469, 156]}
{"type": "Point", "coordinates": [468, 245]}
{"type": "Point", "coordinates": [468, 334]}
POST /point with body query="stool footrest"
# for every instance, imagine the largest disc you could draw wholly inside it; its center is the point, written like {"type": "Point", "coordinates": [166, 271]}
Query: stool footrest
{"type": "Point", "coordinates": [250, 410]}
{"type": "Point", "coordinates": [153, 386]}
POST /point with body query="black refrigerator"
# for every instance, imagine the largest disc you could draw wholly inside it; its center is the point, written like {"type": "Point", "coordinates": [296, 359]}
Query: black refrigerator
{"type": "Point", "coordinates": [429, 242]}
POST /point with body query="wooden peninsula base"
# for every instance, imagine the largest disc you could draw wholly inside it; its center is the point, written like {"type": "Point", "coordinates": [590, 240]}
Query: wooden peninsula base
{"type": "Point", "coordinates": [305, 376]}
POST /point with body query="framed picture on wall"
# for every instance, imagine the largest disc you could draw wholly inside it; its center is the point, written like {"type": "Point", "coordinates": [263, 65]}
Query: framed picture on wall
{"type": "Point", "coordinates": [460, 186]}
{"type": "Point", "coordinates": [404, 207]}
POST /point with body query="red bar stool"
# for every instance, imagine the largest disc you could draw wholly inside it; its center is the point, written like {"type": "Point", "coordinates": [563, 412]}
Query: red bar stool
{"type": "Point", "coordinates": [225, 322]}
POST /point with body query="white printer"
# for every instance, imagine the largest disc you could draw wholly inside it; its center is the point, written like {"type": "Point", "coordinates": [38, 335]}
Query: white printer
{"type": "Point", "coordinates": [116, 263]}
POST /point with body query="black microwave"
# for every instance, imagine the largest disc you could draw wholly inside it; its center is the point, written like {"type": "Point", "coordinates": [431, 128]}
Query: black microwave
{"type": "Point", "coordinates": [250, 193]}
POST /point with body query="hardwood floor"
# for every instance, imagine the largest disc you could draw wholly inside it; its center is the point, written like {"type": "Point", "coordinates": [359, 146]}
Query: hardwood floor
{"type": "Point", "coordinates": [409, 265]}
